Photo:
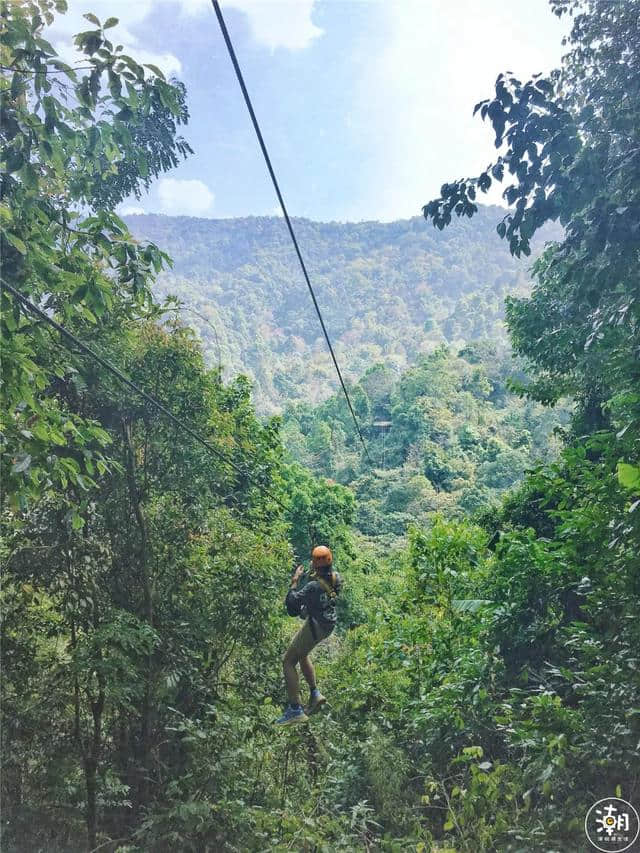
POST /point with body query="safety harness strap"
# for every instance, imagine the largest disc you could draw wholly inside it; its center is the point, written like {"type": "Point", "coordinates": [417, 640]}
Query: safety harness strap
{"type": "Point", "coordinates": [328, 588]}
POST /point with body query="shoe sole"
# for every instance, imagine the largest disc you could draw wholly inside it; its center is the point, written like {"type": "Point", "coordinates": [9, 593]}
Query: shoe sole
{"type": "Point", "coordinates": [294, 721]}
{"type": "Point", "coordinates": [312, 709]}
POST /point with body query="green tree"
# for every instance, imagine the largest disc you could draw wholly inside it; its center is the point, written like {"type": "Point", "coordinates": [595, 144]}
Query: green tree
{"type": "Point", "coordinates": [321, 512]}
{"type": "Point", "coordinates": [132, 589]}
{"type": "Point", "coordinates": [570, 151]}
{"type": "Point", "coordinates": [71, 143]}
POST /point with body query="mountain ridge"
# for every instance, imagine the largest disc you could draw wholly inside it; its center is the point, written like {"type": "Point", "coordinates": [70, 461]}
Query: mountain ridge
{"type": "Point", "coordinates": [389, 292]}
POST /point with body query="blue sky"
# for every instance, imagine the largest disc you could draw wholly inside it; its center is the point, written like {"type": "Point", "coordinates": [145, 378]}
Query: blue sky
{"type": "Point", "coordinates": [365, 105]}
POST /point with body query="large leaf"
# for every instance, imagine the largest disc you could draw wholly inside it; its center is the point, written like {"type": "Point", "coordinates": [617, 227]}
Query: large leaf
{"type": "Point", "coordinates": [469, 605]}
{"type": "Point", "coordinates": [22, 463]}
{"type": "Point", "coordinates": [628, 475]}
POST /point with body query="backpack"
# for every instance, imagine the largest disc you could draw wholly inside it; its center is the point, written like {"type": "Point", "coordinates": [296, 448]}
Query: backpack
{"type": "Point", "coordinates": [295, 608]}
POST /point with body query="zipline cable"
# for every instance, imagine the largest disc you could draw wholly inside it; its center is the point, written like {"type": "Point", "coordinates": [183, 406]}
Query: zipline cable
{"type": "Point", "coordinates": [256, 126]}
{"type": "Point", "coordinates": [38, 312]}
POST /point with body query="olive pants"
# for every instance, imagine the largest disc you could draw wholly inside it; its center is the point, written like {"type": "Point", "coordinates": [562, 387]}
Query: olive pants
{"type": "Point", "coordinates": [298, 652]}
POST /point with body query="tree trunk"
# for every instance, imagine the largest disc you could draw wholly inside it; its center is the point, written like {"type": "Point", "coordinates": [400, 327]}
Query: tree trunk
{"type": "Point", "coordinates": [142, 793]}
{"type": "Point", "coordinates": [91, 767]}
{"type": "Point", "coordinates": [90, 781]}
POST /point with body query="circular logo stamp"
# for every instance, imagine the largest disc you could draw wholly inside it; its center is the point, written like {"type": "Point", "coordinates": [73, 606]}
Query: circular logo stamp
{"type": "Point", "coordinates": [612, 825]}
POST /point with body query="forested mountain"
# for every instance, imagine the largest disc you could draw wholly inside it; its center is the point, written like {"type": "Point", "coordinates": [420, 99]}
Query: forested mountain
{"type": "Point", "coordinates": [444, 436]}
{"type": "Point", "coordinates": [456, 438]}
{"type": "Point", "coordinates": [388, 292]}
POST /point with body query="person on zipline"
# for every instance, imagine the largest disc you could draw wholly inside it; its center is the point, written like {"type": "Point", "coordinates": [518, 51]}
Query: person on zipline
{"type": "Point", "coordinates": [317, 601]}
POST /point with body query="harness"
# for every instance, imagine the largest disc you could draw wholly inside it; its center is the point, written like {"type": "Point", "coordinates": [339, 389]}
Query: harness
{"type": "Point", "coordinates": [328, 588]}
{"type": "Point", "coordinates": [331, 592]}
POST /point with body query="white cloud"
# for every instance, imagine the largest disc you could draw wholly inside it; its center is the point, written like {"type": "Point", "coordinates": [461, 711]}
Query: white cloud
{"type": "Point", "coordinates": [273, 23]}
{"type": "Point", "coordinates": [286, 23]}
{"type": "Point", "coordinates": [130, 210]}
{"type": "Point", "coordinates": [439, 59]}
{"type": "Point", "coordinates": [178, 197]}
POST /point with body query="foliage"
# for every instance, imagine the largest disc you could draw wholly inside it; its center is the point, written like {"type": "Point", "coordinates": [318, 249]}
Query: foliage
{"type": "Point", "coordinates": [71, 143]}
{"type": "Point", "coordinates": [569, 142]}
{"type": "Point", "coordinates": [483, 685]}
{"type": "Point", "coordinates": [389, 293]}
{"type": "Point", "coordinates": [565, 546]}
{"type": "Point", "coordinates": [452, 439]}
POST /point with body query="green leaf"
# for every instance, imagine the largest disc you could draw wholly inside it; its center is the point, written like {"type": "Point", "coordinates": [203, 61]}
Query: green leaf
{"type": "Point", "coordinates": [16, 242]}
{"type": "Point", "coordinates": [29, 176]}
{"type": "Point", "coordinates": [469, 605]}
{"type": "Point", "coordinates": [17, 85]}
{"type": "Point", "coordinates": [155, 70]}
{"type": "Point", "coordinates": [22, 463]}
{"type": "Point", "coordinates": [10, 321]}
{"type": "Point", "coordinates": [110, 22]}
{"type": "Point", "coordinates": [79, 294]}
{"type": "Point", "coordinates": [628, 475]}
{"type": "Point", "coordinates": [91, 17]}
{"type": "Point", "coordinates": [14, 160]}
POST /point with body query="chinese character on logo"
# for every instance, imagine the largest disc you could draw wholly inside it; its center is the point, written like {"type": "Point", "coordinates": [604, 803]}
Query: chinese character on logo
{"type": "Point", "coordinates": [610, 823]}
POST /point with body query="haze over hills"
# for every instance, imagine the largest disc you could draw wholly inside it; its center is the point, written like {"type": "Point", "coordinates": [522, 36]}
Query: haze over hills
{"type": "Point", "coordinates": [389, 292]}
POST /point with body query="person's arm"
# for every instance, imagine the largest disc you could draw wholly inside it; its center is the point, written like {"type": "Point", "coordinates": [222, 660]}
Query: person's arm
{"type": "Point", "coordinates": [296, 576]}
{"type": "Point", "coordinates": [295, 600]}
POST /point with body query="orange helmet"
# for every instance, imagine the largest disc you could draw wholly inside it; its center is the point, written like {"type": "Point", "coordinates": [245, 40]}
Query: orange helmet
{"type": "Point", "coordinates": [321, 557]}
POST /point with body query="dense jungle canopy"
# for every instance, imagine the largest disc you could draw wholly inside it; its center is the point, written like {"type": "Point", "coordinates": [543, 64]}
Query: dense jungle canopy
{"type": "Point", "coordinates": [390, 292]}
{"type": "Point", "coordinates": [484, 680]}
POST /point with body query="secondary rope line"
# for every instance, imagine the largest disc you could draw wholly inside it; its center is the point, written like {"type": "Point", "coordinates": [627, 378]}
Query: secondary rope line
{"type": "Point", "coordinates": [256, 126]}
{"type": "Point", "coordinates": [38, 312]}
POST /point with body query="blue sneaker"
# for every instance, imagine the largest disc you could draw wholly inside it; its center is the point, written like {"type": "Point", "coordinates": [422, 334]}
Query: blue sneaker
{"type": "Point", "coordinates": [292, 716]}
{"type": "Point", "coordinates": [316, 701]}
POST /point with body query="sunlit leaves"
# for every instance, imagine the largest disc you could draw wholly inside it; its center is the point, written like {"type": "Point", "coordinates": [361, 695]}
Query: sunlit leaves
{"type": "Point", "coordinates": [629, 476]}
